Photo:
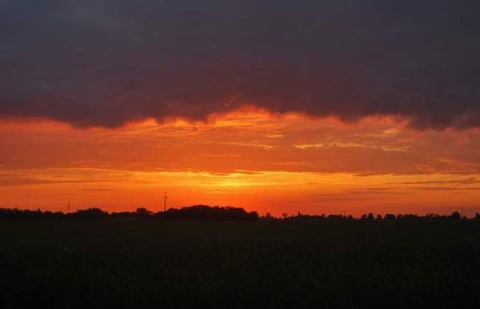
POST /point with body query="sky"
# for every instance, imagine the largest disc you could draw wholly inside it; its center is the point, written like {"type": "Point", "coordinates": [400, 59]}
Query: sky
{"type": "Point", "coordinates": [276, 106]}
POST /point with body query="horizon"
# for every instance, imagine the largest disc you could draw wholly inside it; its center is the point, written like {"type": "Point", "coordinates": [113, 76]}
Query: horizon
{"type": "Point", "coordinates": [142, 212]}
{"type": "Point", "coordinates": [71, 210]}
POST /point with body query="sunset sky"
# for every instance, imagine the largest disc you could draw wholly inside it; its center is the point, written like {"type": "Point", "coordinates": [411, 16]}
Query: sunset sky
{"type": "Point", "coordinates": [335, 107]}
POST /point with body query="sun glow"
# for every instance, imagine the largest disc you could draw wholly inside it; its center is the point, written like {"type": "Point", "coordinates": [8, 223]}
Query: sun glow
{"type": "Point", "coordinates": [249, 158]}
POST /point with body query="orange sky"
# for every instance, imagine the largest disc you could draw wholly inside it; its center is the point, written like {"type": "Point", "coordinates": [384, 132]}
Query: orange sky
{"type": "Point", "coordinates": [249, 158]}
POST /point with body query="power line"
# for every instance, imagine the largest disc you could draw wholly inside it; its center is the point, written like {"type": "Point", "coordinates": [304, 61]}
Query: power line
{"type": "Point", "coordinates": [165, 202]}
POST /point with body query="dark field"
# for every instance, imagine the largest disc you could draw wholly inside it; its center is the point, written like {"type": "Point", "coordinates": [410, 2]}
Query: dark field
{"type": "Point", "coordinates": [143, 264]}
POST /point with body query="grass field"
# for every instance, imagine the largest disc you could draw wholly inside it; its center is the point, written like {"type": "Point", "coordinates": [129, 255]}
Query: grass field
{"type": "Point", "coordinates": [151, 264]}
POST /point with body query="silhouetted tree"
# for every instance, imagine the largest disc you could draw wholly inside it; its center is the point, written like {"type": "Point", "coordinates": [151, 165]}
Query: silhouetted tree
{"type": "Point", "coordinates": [17, 214]}
{"type": "Point", "coordinates": [455, 215]}
{"type": "Point", "coordinates": [268, 217]}
{"type": "Point", "coordinates": [143, 213]}
{"type": "Point", "coordinates": [208, 213]}
{"type": "Point", "coordinates": [335, 217]}
{"type": "Point", "coordinates": [90, 213]}
{"type": "Point", "coordinates": [389, 217]}
{"type": "Point", "coordinates": [123, 215]}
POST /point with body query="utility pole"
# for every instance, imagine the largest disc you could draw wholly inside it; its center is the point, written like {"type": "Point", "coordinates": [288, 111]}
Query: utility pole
{"type": "Point", "coordinates": [165, 202]}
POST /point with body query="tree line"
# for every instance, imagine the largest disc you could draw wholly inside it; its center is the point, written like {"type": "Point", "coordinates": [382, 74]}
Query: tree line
{"type": "Point", "coordinates": [214, 213]}
{"type": "Point", "coordinates": [377, 217]}
{"type": "Point", "coordinates": [191, 213]}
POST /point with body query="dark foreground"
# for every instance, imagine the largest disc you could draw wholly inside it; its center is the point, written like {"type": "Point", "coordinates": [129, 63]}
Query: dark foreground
{"type": "Point", "coordinates": [146, 264]}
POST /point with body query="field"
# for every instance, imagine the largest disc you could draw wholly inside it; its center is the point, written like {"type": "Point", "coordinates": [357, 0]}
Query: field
{"type": "Point", "coordinates": [149, 264]}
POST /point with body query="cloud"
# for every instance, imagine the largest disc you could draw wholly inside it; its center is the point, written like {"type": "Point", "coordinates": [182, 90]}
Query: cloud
{"type": "Point", "coordinates": [466, 181]}
{"type": "Point", "coordinates": [377, 191]}
{"type": "Point", "coordinates": [23, 181]}
{"type": "Point", "coordinates": [106, 62]}
{"type": "Point", "coordinates": [446, 189]}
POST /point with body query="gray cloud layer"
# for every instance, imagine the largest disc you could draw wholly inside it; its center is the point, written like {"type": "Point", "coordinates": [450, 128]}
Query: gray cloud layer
{"type": "Point", "coordinates": [104, 62]}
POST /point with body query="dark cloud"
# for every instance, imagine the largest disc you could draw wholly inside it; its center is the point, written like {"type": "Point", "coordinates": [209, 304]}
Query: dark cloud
{"type": "Point", "coordinates": [104, 62]}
